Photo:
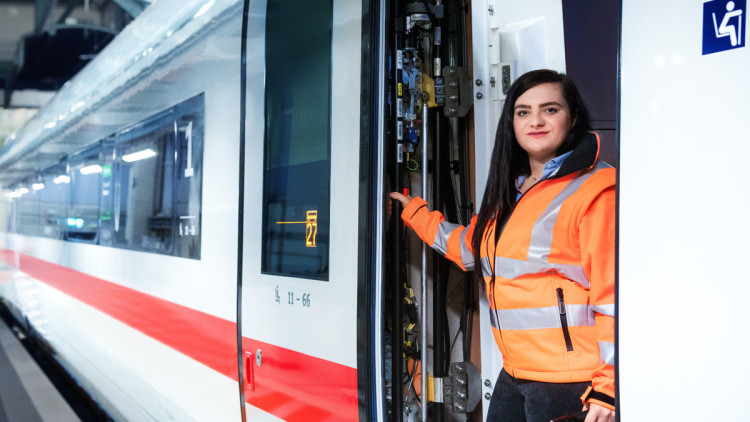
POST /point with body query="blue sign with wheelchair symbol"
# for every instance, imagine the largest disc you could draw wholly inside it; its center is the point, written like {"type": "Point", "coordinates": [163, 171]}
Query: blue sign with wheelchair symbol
{"type": "Point", "coordinates": [723, 25]}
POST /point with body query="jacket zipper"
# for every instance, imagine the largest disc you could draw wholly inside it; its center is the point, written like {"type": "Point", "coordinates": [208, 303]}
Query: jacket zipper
{"type": "Point", "coordinates": [564, 320]}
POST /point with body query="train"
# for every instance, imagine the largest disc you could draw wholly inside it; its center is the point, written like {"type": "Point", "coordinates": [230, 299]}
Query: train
{"type": "Point", "coordinates": [196, 226]}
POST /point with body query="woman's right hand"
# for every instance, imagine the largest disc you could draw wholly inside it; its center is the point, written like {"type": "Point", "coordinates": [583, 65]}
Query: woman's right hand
{"type": "Point", "coordinates": [403, 199]}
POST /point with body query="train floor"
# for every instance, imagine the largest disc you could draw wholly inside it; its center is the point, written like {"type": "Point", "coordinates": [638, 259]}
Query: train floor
{"type": "Point", "coordinates": [26, 394]}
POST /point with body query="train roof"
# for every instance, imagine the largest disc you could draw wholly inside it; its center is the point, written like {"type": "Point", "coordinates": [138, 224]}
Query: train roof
{"type": "Point", "coordinates": [77, 115]}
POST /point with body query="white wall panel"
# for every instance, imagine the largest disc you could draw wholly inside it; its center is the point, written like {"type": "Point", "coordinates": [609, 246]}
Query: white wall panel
{"type": "Point", "coordinates": [683, 284]}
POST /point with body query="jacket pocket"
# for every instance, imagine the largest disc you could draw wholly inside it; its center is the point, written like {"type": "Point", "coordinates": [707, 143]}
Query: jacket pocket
{"type": "Point", "coordinates": [564, 319]}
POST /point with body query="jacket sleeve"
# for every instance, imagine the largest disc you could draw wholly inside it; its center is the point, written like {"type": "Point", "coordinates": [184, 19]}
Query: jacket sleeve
{"type": "Point", "coordinates": [597, 242]}
{"type": "Point", "coordinates": [450, 240]}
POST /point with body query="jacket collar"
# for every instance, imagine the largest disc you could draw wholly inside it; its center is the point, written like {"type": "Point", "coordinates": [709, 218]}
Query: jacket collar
{"type": "Point", "coordinates": [583, 157]}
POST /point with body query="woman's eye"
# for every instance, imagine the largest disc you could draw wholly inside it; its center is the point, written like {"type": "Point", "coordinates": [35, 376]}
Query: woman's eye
{"type": "Point", "coordinates": [521, 113]}
{"type": "Point", "coordinates": [551, 110]}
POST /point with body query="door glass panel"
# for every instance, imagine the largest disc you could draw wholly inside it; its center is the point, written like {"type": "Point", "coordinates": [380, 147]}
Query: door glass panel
{"type": "Point", "coordinates": [297, 165]}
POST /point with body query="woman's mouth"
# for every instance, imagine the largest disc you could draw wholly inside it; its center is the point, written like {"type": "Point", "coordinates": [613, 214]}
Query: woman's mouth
{"type": "Point", "coordinates": [537, 134]}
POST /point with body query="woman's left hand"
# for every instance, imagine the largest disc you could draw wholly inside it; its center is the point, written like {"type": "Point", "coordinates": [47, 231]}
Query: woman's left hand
{"type": "Point", "coordinates": [599, 414]}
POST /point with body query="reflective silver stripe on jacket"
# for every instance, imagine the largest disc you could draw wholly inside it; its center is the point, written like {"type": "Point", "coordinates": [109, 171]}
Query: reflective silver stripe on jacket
{"type": "Point", "coordinates": [540, 243]}
{"type": "Point", "coordinates": [440, 244]}
{"type": "Point", "coordinates": [606, 353]}
{"type": "Point", "coordinates": [511, 268]}
{"type": "Point", "coordinates": [493, 320]}
{"type": "Point", "coordinates": [467, 258]}
{"type": "Point", "coordinates": [608, 310]}
{"type": "Point", "coordinates": [539, 318]}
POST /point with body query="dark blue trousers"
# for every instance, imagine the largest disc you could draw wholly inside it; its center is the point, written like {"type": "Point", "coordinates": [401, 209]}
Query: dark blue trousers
{"type": "Point", "coordinates": [516, 400]}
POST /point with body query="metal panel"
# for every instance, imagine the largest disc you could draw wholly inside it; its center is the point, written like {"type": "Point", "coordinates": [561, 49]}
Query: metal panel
{"type": "Point", "coordinates": [516, 37]}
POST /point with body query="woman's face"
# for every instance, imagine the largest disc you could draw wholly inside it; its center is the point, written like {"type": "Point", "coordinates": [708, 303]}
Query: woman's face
{"type": "Point", "coordinates": [541, 119]}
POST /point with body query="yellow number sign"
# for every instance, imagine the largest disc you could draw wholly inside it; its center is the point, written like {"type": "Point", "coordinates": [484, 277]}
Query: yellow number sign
{"type": "Point", "coordinates": [311, 227]}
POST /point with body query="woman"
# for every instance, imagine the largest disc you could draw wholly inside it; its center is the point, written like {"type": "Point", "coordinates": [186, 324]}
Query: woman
{"type": "Point", "coordinates": [544, 244]}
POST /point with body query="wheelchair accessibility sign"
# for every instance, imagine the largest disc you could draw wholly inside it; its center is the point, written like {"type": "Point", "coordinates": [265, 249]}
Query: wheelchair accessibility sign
{"type": "Point", "coordinates": [723, 25]}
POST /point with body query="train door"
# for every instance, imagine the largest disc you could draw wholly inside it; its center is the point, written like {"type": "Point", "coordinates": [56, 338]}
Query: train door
{"type": "Point", "coordinates": [429, 302]}
{"type": "Point", "coordinates": [300, 239]}
{"type": "Point", "coordinates": [511, 38]}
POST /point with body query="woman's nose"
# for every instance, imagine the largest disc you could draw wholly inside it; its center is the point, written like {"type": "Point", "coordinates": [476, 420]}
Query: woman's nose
{"type": "Point", "coordinates": [537, 119]}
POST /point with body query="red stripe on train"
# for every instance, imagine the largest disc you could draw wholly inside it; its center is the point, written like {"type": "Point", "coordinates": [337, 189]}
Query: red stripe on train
{"type": "Point", "coordinates": [290, 385]}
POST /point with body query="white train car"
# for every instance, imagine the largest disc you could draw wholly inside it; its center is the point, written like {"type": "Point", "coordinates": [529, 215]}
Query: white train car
{"type": "Point", "coordinates": [196, 227]}
{"type": "Point", "coordinates": [138, 243]}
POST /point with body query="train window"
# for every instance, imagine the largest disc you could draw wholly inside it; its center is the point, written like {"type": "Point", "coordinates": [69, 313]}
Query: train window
{"type": "Point", "coordinates": [188, 181]}
{"type": "Point", "coordinates": [297, 169]}
{"type": "Point", "coordinates": [144, 161]}
{"type": "Point", "coordinates": [52, 191]}
{"type": "Point", "coordinates": [27, 208]}
{"type": "Point", "coordinates": [107, 191]}
{"type": "Point", "coordinates": [151, 183]}
{"type": "Point", "coordinates": [82, 220]}
{"type": "Point", "coordinates": [138, 189]}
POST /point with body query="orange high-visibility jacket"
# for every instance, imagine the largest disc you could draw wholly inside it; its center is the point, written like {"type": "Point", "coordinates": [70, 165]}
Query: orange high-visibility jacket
{"type": "Point", "coordinates": [552, 307]}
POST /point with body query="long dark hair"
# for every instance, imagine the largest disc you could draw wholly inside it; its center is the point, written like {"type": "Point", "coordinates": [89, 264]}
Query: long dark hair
{"type": "Point", "coordinates": [509, 160]}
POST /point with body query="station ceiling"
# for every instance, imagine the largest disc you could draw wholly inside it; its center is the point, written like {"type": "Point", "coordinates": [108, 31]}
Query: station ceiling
{"type": "Point", "coordinates": [45, 42]}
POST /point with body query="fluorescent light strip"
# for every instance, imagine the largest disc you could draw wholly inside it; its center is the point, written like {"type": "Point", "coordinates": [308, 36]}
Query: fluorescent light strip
{"type": "Point", "coordinates": [138, 155]}
{"type": "Point", "coordinates": [94, 168]}
{"type": "Point", "coordinates": [61, 179]}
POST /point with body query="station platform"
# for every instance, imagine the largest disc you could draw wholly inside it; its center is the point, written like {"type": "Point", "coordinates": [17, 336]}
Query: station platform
{"type": "Point", "coordinates": [26, 394]}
